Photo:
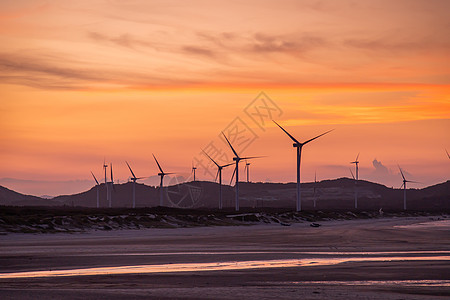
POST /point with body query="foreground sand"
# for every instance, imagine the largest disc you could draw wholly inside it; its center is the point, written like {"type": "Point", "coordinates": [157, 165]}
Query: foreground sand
{"type": "Point", "coordinates": [412, 279]}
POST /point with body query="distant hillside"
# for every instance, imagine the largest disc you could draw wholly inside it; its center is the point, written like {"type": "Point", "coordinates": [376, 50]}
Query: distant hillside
{"type": "Point", "coordinates": [337, 194]}
{"type": "Point", "coordinates": [9, 197]}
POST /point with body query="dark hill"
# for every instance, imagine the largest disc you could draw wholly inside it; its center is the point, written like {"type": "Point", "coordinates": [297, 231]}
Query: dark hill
{"type": "Point", "coordinates": [335, 194]}
{"type": "Point", "coordinates": [9, 197]}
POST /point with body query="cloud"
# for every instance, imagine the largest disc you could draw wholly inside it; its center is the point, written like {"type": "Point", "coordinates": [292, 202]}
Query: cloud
{"type": "Point", "coordinates": [199, 51]}
{"type": "Point", "coordinates": [40, 72]}
{"type": "Point", "coordinates": [57, 72]}
{"type": "Point", "coordinates": [380, 169]}
{"type": "Point", "coordinates": [124, 40]}
{"type": "Point", "coordinates": [295, 44]}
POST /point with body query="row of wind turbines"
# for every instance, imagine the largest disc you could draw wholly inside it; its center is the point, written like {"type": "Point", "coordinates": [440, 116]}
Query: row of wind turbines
{"type": "Point", "coordinates": [298, 145]}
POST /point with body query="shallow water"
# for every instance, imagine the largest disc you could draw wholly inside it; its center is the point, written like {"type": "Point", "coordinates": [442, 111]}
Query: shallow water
{"type": "Point", "coordinates": [430, 283]}
{"type": "Point", "coordinates": [379, 253]}
{"type": "Point", "coordinates": [216, 266]}
{"type": "Point", "coordinates": [441, 224]}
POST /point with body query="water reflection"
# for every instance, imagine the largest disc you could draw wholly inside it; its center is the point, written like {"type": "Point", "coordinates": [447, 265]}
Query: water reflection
{"type": "Point", "coordinates": [214, 266]}
{"type": "Point", "coordinates": [430, 283]}
{"type": "Point", "coordinates": [379, 253]}
{"type": "Point", "coordinates": [441, 224]}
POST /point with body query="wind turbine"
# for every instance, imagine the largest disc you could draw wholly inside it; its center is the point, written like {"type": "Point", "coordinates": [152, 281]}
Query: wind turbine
{"type": "Point", "coordinates": [98, 192]}
{"type": "Point", "coordinates": [404, 187]}
{"type": "Point", "coordinates": [237, 158]}
{"type": "Point", "coordinates": [112, 185]}
{"type": "Point", "coordinates": [356, 162]}
{"type": "Point", "coordinates": [105, 166]}
{"type": "Point", "coordinates": [299, 146]}
{"type": "Point", "coordinates": [134, 179]}
{"type": "Point", "coordinates": [447, 153]}
{"type": "Point", "coordinates": [314, 190]}
{"type": "Point", "coordinates": [219, 173]}
{"type": "Point", "coordinates": [193, 169]}
{"type": "Point", "coordinates": [161, 174]}
{"type": "Point", "coordinates": [247, 168]}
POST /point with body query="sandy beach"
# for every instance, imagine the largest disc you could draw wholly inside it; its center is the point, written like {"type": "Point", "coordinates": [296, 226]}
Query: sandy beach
{"type": "Point", "coordinates": [386, 258]}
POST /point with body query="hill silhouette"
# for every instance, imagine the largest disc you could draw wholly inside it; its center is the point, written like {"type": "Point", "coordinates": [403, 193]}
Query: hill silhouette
{"type": "Point", "coordinates": [337, 194]}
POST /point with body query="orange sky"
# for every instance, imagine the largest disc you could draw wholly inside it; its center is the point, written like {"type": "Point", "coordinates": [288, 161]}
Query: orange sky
{"type": "Point", "coordinates": [84, 80]}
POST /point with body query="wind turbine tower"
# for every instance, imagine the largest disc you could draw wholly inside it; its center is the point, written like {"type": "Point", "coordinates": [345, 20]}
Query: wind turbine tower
{"type": "Point", "coordinates": [193, 169]}
{"type": "Point", "coordinates": [105, 166]}
{"type": "Point", "coordinates": [237, 158]}
{"type": "Point", "coordinates": [109, 190]}
{"type": "Point", "coordinates": [247, 168]}
{"type": "Point", "coordinates": [161, 174]}
{"type": "Point", "coordinates": [219, 173]}
{"type": "Point", "coordinates": [299, 147]}
{"type": "Point", "coordinates": [98, 190]}
{"type": "Point", "coordinates": [356, 162]}
{"type": "Point", "coordinates": [134, 179]}
{"type": "Point", "coordinates": [404, 187]}
{"type": "Point", "coordinates": [314, 189]}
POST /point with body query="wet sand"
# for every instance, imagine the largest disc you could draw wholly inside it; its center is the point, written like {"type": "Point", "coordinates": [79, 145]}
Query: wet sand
{"type": "Point", "coordinates": [384, 259]}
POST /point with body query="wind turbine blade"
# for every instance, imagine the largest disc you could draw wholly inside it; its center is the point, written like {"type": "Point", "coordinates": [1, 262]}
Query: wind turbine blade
{"type": "Point", "coordinates": [232, 176]}
{"type": "Point", "coordinates": [315, 176]}
{"type": "Point", "coordinates": [95, 178]}
{"type": "Point", "coordinates": [292, 138]}
{"type": "Point", "coordinates": [130, 169]}
{"type": "Point", "coordinates": [112, 178]}
{"type": "Point", "coordinates": [310, 140]}
{"type": "Point", "coordinates": [211, 158]}
{"type": "Point", "coordinates": [217, 175]}
{"type": "Point", "coordinates": [157, 163]}
{"type": "Point", "coordinates": [235, 153]}
{"type": "Point", "coordinates": [357, 157]}
{"type": "Point", "coordinates": [401, 172]}
{"type": "Point", "coordinates": [447, 153]}
{"type": "Point", "coordinates": [227, 165]}
{"type": "Point", "coordinates": [169, 173]}
{"type": "Point", "coordinates": [246, 166]}
{"type": "Point", "coordinates": [352, 174]}
{"type": "Point", "coordinates": [252, 157]}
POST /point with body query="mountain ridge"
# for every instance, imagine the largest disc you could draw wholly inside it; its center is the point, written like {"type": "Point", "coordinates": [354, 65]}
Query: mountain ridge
{"type": "Point", "coordinates": [328, 194]}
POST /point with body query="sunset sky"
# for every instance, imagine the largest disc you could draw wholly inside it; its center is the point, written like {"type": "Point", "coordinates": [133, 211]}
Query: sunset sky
{"type": "Point", "coordinates": [86, 80]}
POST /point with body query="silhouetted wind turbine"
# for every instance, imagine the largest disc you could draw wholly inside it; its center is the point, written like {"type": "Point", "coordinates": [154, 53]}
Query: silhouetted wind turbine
{"type": "Point", "coordinates": [299, 146]}
{"type": "Point", "coordinates": [134, 179]}
{"type": "Point", "coordinates": [219, 173]}
{"type": "Point", "coordinates": [404, 187]}
{"type": "Point", "coordinates": [237, 158]}
{"type": "Point", "coordinates": [105, 166]}
{"type": "Point", "coordinates": [193, 170]}
{"type": "Point", "coordinates": [247, 168]}
{"type": "Point", "coordinates": [448, 155]}
{"type": "Point", "coordinates": [112, 185]}
{"type": "Point", "coordinates": [98, 192]}
{"type": "Point", "coordinates": [314, 190]}
{"type": "Point", "coordinates": [161, 174]}
{"type": "Point", "coordinates": [356, 162]}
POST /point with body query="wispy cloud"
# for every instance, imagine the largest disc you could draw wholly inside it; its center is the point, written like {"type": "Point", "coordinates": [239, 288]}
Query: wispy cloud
{"type": "Point", "coordinates": [126, 40]}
